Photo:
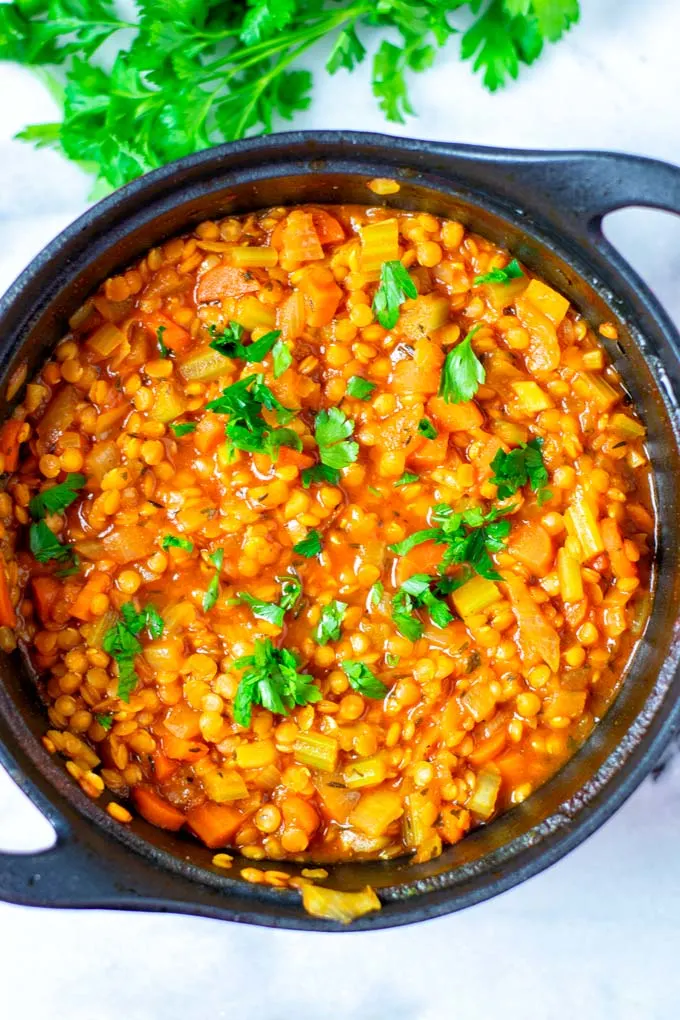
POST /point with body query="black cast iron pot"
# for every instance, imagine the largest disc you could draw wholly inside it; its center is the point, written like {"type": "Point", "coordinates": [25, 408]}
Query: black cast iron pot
{"type": "Point", "coordinates": [547, 209]}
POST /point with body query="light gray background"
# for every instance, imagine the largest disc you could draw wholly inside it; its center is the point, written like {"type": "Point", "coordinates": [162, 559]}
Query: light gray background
{"type": "Point", "coordinates": [596, 937]}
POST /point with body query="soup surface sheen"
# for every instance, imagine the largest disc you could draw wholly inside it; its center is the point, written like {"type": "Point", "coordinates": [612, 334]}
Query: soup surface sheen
{"type": "Point", "coordinates": [320, 545]}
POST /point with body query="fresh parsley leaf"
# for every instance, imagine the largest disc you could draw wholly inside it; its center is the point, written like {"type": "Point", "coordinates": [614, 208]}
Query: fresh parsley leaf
{"type": "Point", "coordinates": [45, 545]}
{"type": "Point", "coordinates": [512, 271]}
{"type": "Point", "coordinates": [213, 589]}
{"type": "Point", "coordinates": [462, 372]}
{"type": "Point", "coordinates": [427, 429]}
{"type": "Point", "coordinates": [271, 679]}
{"type": "Point", "coordinates": [154, 622]}
{"type": "Point", "coordinates": [347, 52]}
{"type": "Point", "coordinates": [417, 538]}
{"type": "Point", "coordinates": [105, 721]}
{"type": "Point", "coordinates": [391, 660]}
{"type": "Point", "coordinates": [183, 428]}
{"type": "Point", "coordinates": [228, 343]}
{"type": "Point", "coordinates": [499, 42]}
{"type": "Point", "coordinates": [426, 591]}
{"type": "Point", "coordinates": [469, 537]}
{"type": "Point", "coordinates": [56, 499]}
{"type": "Point", "coordinates": [164, 352]}
{"type": "Point", "coordinates": [177, 542]}
{"type": "Point", "coordinates": [282, 359]}
{"type": "Point", "coordinates": [359, 388]}
{"type": "Point", "coordinates": [268, 611]}
{"type": "Point", "coordinates": [363, 680]}
{"type": "Point", "coordinates": [376, 593]}
{"type": "Point", "coordinates": [246, 428]}
{"type": "Point", "coordinates": [396, 286]}
{"type": "Point", "coordinates": [320, 473]}
{"type": "Point", "coordinates": [520, 466]}
{"type": "Point", "coordinates": [329, 626]}
{"type": "Point", "coordinates": [291, 592]}
{"type": "Point", "coordinates": [74, 568]}
{"type": "Point", "coordinates": [406, 623]}
{"type": "Point", "coordinates": [120, 642]}
{"type": "Point", "coordinates": [309, 546]}
{"type": "Point", "coordinates": [408, 478]}
{"type": "Point", "coordinates": [332, 430]}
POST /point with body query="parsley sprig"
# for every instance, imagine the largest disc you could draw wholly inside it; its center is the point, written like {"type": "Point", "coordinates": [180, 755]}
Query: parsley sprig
{"type": "Point", "coordinates": [271, 679]}
{"type": "Point", "coordinates": [396, 286]}
{"type": "Point", "coordinates": [228, 343]}
{"type": "Point", "coordinates": [363, 680]}
{"type": "Point", "coordinates": [213, 590]}
{"type": "Point", "coordinates": [332, 431]}
{"type": "Point", "coordinates": [291, 591]}
{"type": "Point", "coordinates": [462, 372]}
{"type": "Point", "coordinates": [121, 643]}
{"type": "Point", "coordinates": [56, 499]}
{"type": "Point", "coordinates": [470, 536]}
{"type": "Point", "coordinates": [330, 622]}
{"type": "Point", "coordinates": [513, 271]}
{"type": "Point", "coordinates": [246, 428]}
{"type": "Point", "coordinates": [520, 466]}
{"type": "Point", "coordinates": [186, 74]}
{"type": "Point", "coordinates": [42, 541]}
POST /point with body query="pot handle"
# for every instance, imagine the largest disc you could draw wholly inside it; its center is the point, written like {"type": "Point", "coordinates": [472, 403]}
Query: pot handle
{"type": "Point", "coordinates": [588, 185]}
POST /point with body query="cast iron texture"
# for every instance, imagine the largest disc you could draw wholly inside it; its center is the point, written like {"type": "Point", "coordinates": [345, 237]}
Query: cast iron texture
{"type": "Point", "coordinates": [547, 209]}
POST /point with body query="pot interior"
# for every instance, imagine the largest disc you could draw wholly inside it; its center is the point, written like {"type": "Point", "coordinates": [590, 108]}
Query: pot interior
{"type": "Point", "coordinates": [580, 790]}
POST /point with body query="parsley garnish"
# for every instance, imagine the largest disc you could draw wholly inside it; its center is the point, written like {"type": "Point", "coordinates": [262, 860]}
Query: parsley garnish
{"type": "Point", "coordinates": [56, 499]}
{"type": "Point", "coordinates": [363, 680]}
{"type": "Point", "coordinates": [359, 388]}
{"type": "Point", "coordinates": [271, 679]}
{"type": "Point", "coordinates": [462, 372]}
{"type": "Point", "coordinates": [469, 537]}
{"type": "Point", "coordinates": [391, 660]}
{"type": "Point", "coordinates": [309, 546]}
{"type": "Point", "coordinates": [406, 479]}
{"type": "Point", "coordinates": [427, 592]}
{"type": "Point", "coordinates": [45, 545]}
{"type": "Point", "coordinates": [332, 430]}
{"type": "Point", "coordinates": [395, 287]}
{"type": "Point", "coordinates": [291, 590]}
{"type": "Point", "coordinates": [121, 643]}
{"type": "Point", "coordinates": [246, 428]}
{"type": "Point", "coordinates": [427, 429]}
{"type": "Point", "coordinates": [183, 428]}
{"type": "Point", "coordinates": [402, 614]}
{"type": "Point", "coordinates": [281, 358]}
{"type": "Point", "coordinates": [170, 541]}
{"type": "Point", "coordinates": [105, 721]}
{"type": "Point", "coordinates": [512, 271]}
{"type": "Point", "coordinates": [523, 464]}
{"type": "Point", "coordinates": [330, 622]}
{"type": "Point", "coordinates": [163, 350]}
{"type": "Point", "coordinates": [320, 473]}
{"type": "Point", "coordinates": [376, 593]}
{"type": "Point", "coordinates": [213, 589]}
{"type": "Point", "coordinates": [228, 343]}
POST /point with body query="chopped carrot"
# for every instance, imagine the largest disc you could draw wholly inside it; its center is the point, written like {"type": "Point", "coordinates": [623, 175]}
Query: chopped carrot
{"type": "Point", "coordinates": [613, 544]}
{"type": "Point", "coordinates": [291, 316]}
{"type": "Point", "coordinates": [544, 352]}
{"type": "Point", "coordinates": [183, 721]}
{"type": "Point", "coordinates": [288, 456]}
{"type": "Point", "coordinates": [46, 593]}
{"type": "Point", "coordinates": [225, 281]}
{"type": "Point", "coordinates": [422, 559]}
{"type": "Point", "coordinates": [537, 638]}
{"type": "Point", "coordinates": [94, 585]}
{"type": "Point", "coordinates": [322, 295]}
{"type": "Point", "coordinates": [487, 749]}
{"type": "Point", "coordinates": [214, 824]}
{"type": "Point", "coordinates": [421, 373]}
{"type": "Point", "coordinates": [337, 803]}
{"type": "Point", "coordinates": [163, 767]}
{"type": "Point", "coordinates": [532, 545]}
{"type": "Point", "coordinates": [299, 813]}
{"type": "Point", "coordinates": [455, 417]}
{"type": "Point", "coordinates": [156, 809]}
{"type": "Point", "coordinates": [328, 229]}
{"type": "Point", "coordinates": [173, 336]}
{"type": "Point", "coordinates": [431, 453]}
{"type": "Point", "coordinates": [300, 240]}
{"type": "Point", "coordinates": [9, 443]}
{"type": "Point", "coordinates": [183, 748]}
{"type": "Point", "coordinates": [8, 617]}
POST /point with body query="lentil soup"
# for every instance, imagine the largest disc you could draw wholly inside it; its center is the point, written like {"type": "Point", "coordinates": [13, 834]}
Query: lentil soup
{"type": "Point", "coordinates": [327, 532]}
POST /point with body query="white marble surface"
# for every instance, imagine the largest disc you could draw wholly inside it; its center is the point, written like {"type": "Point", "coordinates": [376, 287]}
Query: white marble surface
{"type": "Point", "coordinates": [596, 937]}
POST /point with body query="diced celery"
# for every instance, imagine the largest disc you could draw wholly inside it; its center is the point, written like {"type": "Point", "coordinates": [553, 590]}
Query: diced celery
{"type": "Point", "coordinates": [428, 313]}
{"type": "Point", "coordinates": [531, 398]}
{"type": "Point", "coordinates": [483, 799]}
{"type": "Point", "coordinates": [379, 243]}
{"type": "Point", "coordinates": [376, 811]}
{"type": "Point", "coordinates": [247, 258]}
{"type": "Point", "coordinates": [106, 339]}
{"type": "Point", "coordinates": [252, 314]}
{"type": "Point", "coordinates": [565, 704]}
{"type": "Point", "coordinates": [419, 817]}
{"type": "Point", "coordinates": [626, 427]}
{"type": "Point", "coordinates": [510, 432]}
{"type": "Point", "coordinates": [480, 701]}
{"type": "Point", "coordinates": [553, 305]}
{"type": "Point", "coordinates": [596, 388]}
{"type": "Point", "coordinates": [256, 755]}
{"type": "Point", "coordinates": [569, 574]}
{"type": "Point", "coordinates": [224, 785]}
{"type": "Point", "coordinates": [475, 596]}
{"type": "Point", "coordinates": [333, 905]}
{"type": "Point", "coordinates": [316, 750]}
{"type": "Point", "coordinates": [168, 403]}
{"type": "Point", "coordinates": [204, 365]}
{"type": "Point", "coordinates": [581, 516]}
{"type": "Point", "coordinates": [365, 772]}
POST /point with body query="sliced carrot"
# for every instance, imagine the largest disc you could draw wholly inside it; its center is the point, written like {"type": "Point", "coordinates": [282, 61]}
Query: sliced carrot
{"type": "Point", "coordinates": [8, 617]}
{"type": "Point", "coordinates": [46, 593]}
{"type": "Point", "coordinates": [544, 352]}
{"type": "Point", "coordinates": [128, 544]}
{"type": "Point", "coordinates": [328, 229]}
{"type": "Point", "coordinates": [421, 373]}
{"type": "Point", "coordinates": [214, 824]}
{"type": "Point", "coordinates": [225, 281]}
{"type": "Point", "coordinates": [156, 809]}
{"type": "Point", "coordinates": [9, 443]}
{"type": "Point", "coordinates": [422, 559]}
{"type": "Point", "coordinates": [94, 585]}
{"type": "Point", "coordinates": [532, 545]}
{"type": "Point", "coordinates": [322, 295]}
{"type": "Point", "coordinates": [173, 336]}
{"type": "Point", "coordinates": [487, 749]}
{"type": "Point", "coordinates": [163, 767]}
{"type": "Point", "coordinates": [299, 813]}
{"type": "Point", "coordinates": [290, 457]}
{"type": "Point", "coordinates": [300, 240]}
{"type": "Point", "coordinates": [432, 453]}
{"type": "Point", "coordinates": [455, 417]}
{"type": "Point", "coordinates": [291, 316]}
{"type": "Point", "coordinates": [182, 748]}
{"type": "Point", "coordinates": [613, 544]}
{"type": "Point", "coordinates": [337, 803]}
{"type": "Point", "coordinates": [182, 721]}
